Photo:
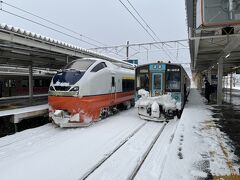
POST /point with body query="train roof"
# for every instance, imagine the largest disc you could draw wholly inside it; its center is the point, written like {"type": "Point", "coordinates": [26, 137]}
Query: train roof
{"type": "Point", "coordinates": [120, 64]}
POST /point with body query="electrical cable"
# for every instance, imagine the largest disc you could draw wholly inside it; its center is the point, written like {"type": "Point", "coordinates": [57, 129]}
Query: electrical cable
{"type": "Point", "coordinates": [166, 51]}
{"type": "Point", "coordinates": [136, 19]}
{"type": "Point", "coordinates": [47, 27]}
{"type": "Point", "coordinates": [51, 22]}
{"type": "Point", "coordinates": [142, 19]}
{"type": "Point", "coordinates": [30, 20]}
{"type": "Point", "coordinates": [143, 26]}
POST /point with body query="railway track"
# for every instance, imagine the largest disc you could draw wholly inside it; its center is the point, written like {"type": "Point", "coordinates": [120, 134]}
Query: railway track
{"type": "Point", "coordinates": [86, 175]}
{"type": "Point", "coordinates": [110, 162]}
{"type": "Point", "coordinates": [89, 153]}
{"type": "Point", "coordinates": [138, 166]}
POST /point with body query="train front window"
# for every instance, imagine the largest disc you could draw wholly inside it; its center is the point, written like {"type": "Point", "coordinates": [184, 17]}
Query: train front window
{"type": "Point", "coordinates": [98, 67]}
{"type": "Point", "coordinates": [173, 80]}
{"type": "Point", "coordinates": [81, 65]}
{"type": "Point", "coordinates": [143, 82]}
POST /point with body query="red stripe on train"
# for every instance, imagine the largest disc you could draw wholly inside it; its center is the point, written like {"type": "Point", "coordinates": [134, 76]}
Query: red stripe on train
{"type": "Point", "coordinates": [88, 106]}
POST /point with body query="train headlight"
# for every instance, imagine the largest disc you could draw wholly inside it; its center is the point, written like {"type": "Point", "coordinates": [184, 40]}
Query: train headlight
{"type": "Point", "coordinates": [76, 88]}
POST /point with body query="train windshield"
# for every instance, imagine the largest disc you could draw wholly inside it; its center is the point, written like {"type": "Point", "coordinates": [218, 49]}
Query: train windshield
{"type": "Point", "coordinates": [173, 79]}
{"type": "Point", "coordinates": [142, 78]}
{"type": "Point", "coordinates": [81, 65]}
{"type": "Point", "coordinates": [69, 77]}
{"type": "Point", "coordinates": [143, 82]}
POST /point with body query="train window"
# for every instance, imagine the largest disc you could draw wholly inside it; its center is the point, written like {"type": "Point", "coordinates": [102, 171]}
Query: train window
{"type": "Point", "coordinates": [142, 70]}
{"type": "Point", "coordinates": [173, 80]}
{"type": "Point", "coordinates": [113, 81]}
{"type": "Point", "coordinates": [80, 64]}
{"type": "Point", "coordinates": [38, 83]}
{"type": "Point", "coordinates": [6, 84]}
{"type": "Point", "coordinates": [143, 82]}
{"type": "Point", "coordinates": [13, 83]}
{"type": "Point", "coordinates": [99, 67]}
{"type": "Point", "coordinates": [24, 83]}
{"type": "Point", "coordinates": [10, 83]}
{"type": "Point", "coordinates": [127, 85]}
{"type": "Point", "coordinates": [46, 82]}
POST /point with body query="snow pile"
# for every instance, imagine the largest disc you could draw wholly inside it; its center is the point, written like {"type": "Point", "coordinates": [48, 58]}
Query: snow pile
{"type": "Point", "coordinates": [58, 83]}
{"type": "Point", "coordinates": [155, 109]}
{"type": "Point", "coordinates": [143, 93]}
{"type": "Point", "coordinates": [165, 100]}
{"type": "Point", "coordinates": [199, 149]}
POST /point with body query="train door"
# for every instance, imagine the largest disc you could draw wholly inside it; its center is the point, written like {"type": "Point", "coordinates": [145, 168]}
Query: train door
{"type": "Point", "coordinates": [157, 84]}
{"type": "Point", "coordinates": [1, 89]}
{"type": "Point", "coordinates": [113, 89]}
{"type": "Point", "coordinates": [8, 88]}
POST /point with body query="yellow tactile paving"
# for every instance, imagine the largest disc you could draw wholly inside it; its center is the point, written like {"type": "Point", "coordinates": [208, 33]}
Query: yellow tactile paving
{"type": "Point", "coordinates": [211, 125]}
{"type": "Point", "coordinates": [232, 177]}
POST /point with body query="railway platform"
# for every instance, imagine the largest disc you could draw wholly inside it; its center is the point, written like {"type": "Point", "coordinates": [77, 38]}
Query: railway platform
{"type": "Point", "coordinates": [18, 108]}
{"type": "Point", "coordinates": [15, 116]}
{"type": "Point", "coordinates": [206, 142]}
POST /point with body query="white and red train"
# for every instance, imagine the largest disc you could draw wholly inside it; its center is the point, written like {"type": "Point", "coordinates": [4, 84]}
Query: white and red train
{"type": "Point", "coordinates": [87, 90]}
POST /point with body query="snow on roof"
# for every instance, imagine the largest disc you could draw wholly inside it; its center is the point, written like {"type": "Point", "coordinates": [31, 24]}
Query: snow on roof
{"type": "Point", "coordinates": [38, 36]}
{"type": "Point", "coordinates": [34, 35]}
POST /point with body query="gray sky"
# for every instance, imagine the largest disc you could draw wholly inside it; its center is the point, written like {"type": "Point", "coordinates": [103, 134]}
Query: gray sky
{"type": "Point", "coordinates": [105, 20]}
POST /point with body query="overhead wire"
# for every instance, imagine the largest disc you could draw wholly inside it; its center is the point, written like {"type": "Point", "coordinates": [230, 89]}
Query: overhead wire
{"type": "Point", "coordinates": [143, 25]}
{"type": "Point", "coordinates": [142, 19]}
{"type": "Point", "coordinates": [51, 22]}
{"type": "Point", "coordinates": [53, 29]}
{"type": "Point", "coordinates": [136, 19]}
{"type": "Point", "coordinates": [8, 12]}
{"type": "Point", "coordinates": [148, 26]}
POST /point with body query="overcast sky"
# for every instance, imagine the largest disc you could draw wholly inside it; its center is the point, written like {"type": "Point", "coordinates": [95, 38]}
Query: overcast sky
{"type": "Point", "coordinates": [104, 20]}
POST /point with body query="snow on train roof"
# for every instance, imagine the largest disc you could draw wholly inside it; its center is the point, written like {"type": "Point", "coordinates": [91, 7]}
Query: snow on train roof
{"type": "Point", "coordinates": [40, 37]}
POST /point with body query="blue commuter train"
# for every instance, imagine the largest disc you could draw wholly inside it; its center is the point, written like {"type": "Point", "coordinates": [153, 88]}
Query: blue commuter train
{"type": "Point", "coordinates": [159, 80]}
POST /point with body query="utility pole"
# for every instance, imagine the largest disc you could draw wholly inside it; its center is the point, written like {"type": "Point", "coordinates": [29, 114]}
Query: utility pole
{"type": "Point", "coordinates": [127, 51]}
{"type": "Point", "coordinates": [30, 83]}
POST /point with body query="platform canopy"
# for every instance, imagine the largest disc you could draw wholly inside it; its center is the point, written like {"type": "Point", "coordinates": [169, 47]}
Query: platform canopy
{"type": "Point", "coordinates": [214, 34]}
{"type": "Point", "coordinates": [23, 48]}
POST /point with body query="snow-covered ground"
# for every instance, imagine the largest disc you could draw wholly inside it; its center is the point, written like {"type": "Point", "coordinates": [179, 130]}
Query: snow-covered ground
{"type": "Point", "coordinates": [199, 148]}
{"type": "Point", "coordinates": [121, 147]}
{"type": "Point", "coordinates": [53, 153]}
